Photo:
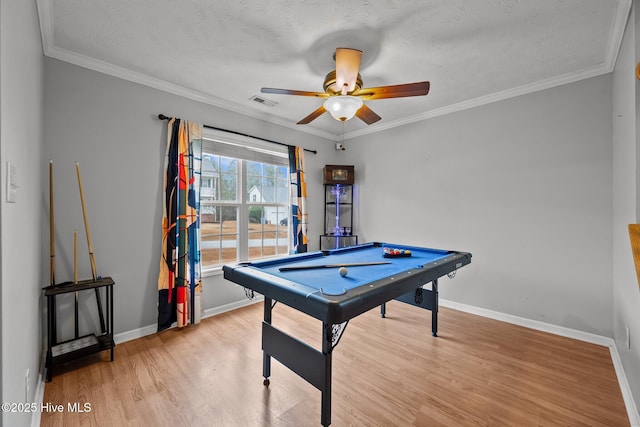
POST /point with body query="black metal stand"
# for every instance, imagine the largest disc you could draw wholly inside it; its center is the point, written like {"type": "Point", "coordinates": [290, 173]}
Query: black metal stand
{"type": "Point", "coordinates": [328, 242]}
{"type": "Point", "coordinates": [58, 353]}
{"type": "Point", "coordinates": [424, 298]}
{"type": "Point", "coordinates": [312, 365]}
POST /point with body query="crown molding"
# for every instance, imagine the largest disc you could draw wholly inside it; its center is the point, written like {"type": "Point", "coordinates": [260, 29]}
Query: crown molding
{"type": "Point", "coordinates": [621, 15]}
{"type": "Point", "coordinates": [163, 85]}
{"type": "Point", "coordinates": [623, 8]}
{"type": "Point", "coordinates": [45, 16]}
{"type": "Point", "coordinates": [487, 99]}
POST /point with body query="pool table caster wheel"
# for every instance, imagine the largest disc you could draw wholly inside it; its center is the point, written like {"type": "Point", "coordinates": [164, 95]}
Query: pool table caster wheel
{"type": "Point", "coordinates": [434, 334]}
{"type": "Point", "coordinates": [266, 382]}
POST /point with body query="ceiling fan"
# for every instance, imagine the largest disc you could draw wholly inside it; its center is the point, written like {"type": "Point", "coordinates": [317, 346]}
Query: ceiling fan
{"type": "Point", "coordinates": [344, 92]}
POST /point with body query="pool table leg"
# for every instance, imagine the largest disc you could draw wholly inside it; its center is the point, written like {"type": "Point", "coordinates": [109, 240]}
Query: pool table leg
{"type": "Point", "coordinates": [325, 410]}
{"type": "Point", "coordinates": [383, 310]}
{"type": "Point", "coordinates": [266, 359]}
{"type": "Point", "coordinates": [434, 308]}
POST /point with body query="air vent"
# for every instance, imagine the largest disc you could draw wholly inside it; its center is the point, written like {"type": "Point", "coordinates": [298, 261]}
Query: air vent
{"type": "Point", "coordinates": [263, 101]}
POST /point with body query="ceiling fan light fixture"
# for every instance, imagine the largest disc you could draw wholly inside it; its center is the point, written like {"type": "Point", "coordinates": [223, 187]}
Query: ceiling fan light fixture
{"type": "Point", "coordinates": [342, 107]}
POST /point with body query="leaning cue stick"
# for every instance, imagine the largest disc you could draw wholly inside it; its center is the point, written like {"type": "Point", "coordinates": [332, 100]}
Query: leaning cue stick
{"type": "Point", "coordinates": [347, 264]}
{"type": "Point", "coordinates": [75, 279]}
{"type": "Point", "coordinates": [75, 257]}
{"type": "Point", "coordinates": [86, 224]}
{"type": "Point", "coordinates": [91, 258]}
{"type": "Point", "coordinates": [52, 245]}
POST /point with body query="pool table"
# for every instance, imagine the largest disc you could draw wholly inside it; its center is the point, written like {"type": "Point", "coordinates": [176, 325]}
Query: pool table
{"type": "Point", "coordinates": [311, 283]}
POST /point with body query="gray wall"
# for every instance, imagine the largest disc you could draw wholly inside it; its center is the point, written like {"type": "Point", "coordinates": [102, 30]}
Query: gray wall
{"type": "Point", "coordinates": [626, 294]}
{"type": "Point", "coordinates": [523, 184]}
{"type": "Point", "coordinates": [110, 127]}
{"type": "Point", "coordinates": [21, 85]}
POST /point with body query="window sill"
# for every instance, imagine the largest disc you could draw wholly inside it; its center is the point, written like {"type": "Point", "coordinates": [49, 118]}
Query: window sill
{"type": "Point", "coordinates": [212, 272]}
{"type": "Point", "coordinates": [217, 271]}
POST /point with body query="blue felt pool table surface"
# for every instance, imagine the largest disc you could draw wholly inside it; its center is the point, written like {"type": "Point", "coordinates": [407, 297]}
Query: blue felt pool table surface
{"type": "Point", "coordinates": [326, 295]}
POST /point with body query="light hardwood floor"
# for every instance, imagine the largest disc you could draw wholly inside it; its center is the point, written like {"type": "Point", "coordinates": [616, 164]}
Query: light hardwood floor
{"type": "Point", "coordinates": [386, 372]}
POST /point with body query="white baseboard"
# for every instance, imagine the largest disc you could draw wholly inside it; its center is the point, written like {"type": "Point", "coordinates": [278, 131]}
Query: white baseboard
{"type": "Point", "coordinates": [128, 336]}
{"type": "Point", "coordinates": [232, 306]}
{"type": "Point", "coordinates": [134, 334]}
{"type": "Point", "coordinates": [632, 410]}
{"type": "Point", "coordinates": [152, 329]}
{"type": "Point", "coordinates": [627, 395]}
{"type": "Point", "coordinates": [38, 397]}
{"type": "Point", "coordinates": [528, 323]}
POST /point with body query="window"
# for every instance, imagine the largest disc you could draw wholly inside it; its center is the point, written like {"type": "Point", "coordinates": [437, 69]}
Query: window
{"type": "Point", "coordinates": [244, 207]}
{"type": "Point", "coordinates": [206, 182]}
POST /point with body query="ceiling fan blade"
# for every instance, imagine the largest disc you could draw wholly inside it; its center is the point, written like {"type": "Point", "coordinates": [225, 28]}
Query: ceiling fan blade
{"type": "Point", "coordinates": [395, 91]}
{"type": "Point", "coordinates": [311, 117]}
{"type": "Point", "coordinates": [367, 115]}
{"type": "Point", "coordinates": [347, 68]}
{"type": "Point", "coordinates": [293, 92]}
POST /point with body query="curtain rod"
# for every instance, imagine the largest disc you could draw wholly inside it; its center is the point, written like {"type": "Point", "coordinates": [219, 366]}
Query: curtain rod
{"type": "Point", "coordinates": [163, 117]}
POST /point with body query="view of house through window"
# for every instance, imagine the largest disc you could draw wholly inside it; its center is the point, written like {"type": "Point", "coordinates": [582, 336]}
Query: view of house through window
{"type": "Point", "coordinates": [244, 204]}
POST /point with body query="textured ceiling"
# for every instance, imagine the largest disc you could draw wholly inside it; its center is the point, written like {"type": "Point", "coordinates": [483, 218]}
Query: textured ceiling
{"type": "Point", "coordinates": [222, 52]}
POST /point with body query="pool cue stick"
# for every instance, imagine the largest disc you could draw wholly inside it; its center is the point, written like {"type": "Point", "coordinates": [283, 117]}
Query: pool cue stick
{"type": "Point", "coordinates": [75, 279]}
{"type": "Point", "coordinates": [347, 264]}
{"type": "Point", "coordinates": [52, 245]}
{"type": "Point", "coordinates": [90, 245]}
{"type": "Point", "coordinates": [75, 256]}
{"type": "Point", "coordinates": [86, 224]}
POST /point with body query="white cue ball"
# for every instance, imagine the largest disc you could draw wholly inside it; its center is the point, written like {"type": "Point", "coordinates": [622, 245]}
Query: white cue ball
{"type": "Point", "coordinates": [343, 271]}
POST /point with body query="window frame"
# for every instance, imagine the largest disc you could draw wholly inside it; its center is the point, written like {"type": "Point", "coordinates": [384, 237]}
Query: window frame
{"type": "Point", "coordinates": [244, 149]}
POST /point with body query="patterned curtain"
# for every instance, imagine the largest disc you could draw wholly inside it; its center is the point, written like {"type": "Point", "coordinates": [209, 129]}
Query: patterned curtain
{"type": "Point", "coordinates": [298, 200]}
{"type": "Point", "coordinates": [179, 281]}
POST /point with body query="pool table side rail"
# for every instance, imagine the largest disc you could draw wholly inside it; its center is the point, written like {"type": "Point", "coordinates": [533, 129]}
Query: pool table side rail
{"type": "Point", "coordinates": [381, 245]}
{"type": "Point", "coordinates": [374, 294]}
{"type": "Point", "coordinates": [336, 309]}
